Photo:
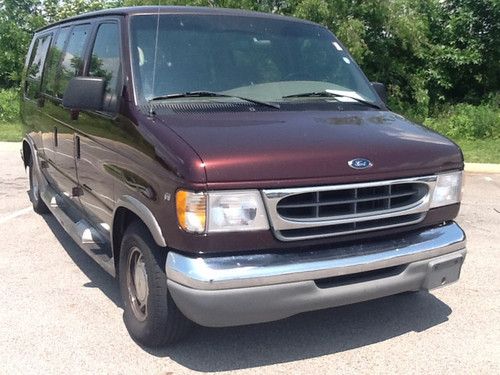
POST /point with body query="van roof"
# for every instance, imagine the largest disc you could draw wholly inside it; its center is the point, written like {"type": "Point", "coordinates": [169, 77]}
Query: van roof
{"type": "Point", "coordinates": [124, 11]}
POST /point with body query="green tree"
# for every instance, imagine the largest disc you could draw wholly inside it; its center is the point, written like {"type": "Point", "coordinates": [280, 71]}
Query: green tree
{"type": "Point", "coordinates": [18, 18]}
{"type": "Point", "coordinates": [55, 10]}
{"type": "Point", "coordinates": [465, 41]}
{"type": "Point", "coordinates": [428, 52]}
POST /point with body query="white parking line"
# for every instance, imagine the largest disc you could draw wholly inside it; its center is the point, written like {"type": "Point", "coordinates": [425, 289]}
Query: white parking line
{"type": "Point", "coordinates": [15, 214]}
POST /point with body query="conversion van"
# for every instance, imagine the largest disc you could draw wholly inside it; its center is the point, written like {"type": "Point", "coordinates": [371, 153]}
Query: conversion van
{"type": "Point", "coordinates": [232, 167]}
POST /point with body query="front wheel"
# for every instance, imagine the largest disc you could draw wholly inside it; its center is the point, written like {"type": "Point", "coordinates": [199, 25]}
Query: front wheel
{"type": "Point", "coordinates": [150, 313]}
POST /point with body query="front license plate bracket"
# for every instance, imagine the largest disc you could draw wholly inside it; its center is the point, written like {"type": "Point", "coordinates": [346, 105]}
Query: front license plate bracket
{"type": "Point", "coordinates": [442, 272]}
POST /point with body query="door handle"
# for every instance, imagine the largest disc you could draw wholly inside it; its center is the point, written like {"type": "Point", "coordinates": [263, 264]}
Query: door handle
{"type": "Point", "coordinates": [77, 147]}
{"type": "Point", "coordinates": [56, 143]}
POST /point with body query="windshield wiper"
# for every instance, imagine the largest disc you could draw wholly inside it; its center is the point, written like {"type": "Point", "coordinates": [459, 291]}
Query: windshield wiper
{"type": "Point", "coordinates": [211, 94]}
{"type": "Point", "coordinates": [326, 93]}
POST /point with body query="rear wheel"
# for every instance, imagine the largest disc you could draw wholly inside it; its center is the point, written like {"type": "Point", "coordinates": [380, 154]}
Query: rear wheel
{"type": "Point", "coordinates": [39, 205]}
{"type": "Point", "coordinates": [150, 314]}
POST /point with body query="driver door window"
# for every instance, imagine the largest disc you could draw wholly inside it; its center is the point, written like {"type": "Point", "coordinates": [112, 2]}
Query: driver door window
{"type": "Point", "coordinates": [105, 62]}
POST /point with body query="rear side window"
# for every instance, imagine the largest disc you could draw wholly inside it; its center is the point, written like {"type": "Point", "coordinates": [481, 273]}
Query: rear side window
{"type": "Point", "coordinates": [105, 62]}
{"type": "Point", "coordinates": [50, 81]}
{"type": "Point", "coordinates": [35, 66]}
{"type": "Point", "coordinates": [72, 61]}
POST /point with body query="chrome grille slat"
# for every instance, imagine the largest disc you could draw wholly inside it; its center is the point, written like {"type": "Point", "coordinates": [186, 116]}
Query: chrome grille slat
{"type": "Point", "coordinates": [312, 212]}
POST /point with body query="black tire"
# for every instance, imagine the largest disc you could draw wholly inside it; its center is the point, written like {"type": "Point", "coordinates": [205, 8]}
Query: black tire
{"type": "Point", "coordinates": [161, 323]}
{"type": "Point", "coordinates": [39, 205]}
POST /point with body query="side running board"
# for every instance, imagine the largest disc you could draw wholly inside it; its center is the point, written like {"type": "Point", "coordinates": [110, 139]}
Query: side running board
{"type": "Point", "coordinates": [80, 230]}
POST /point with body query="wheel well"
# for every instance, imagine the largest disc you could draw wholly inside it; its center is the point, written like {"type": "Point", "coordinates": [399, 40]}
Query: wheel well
{"type": "Point", "coordinates": [123, 218]}
{"type": "Point", "coordinates": [26, 154]}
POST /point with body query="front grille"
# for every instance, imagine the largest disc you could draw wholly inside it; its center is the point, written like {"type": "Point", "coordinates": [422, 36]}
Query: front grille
{"type": "Point", "coordinates": [312, 212]}
{"type": "Point", "coordinates": [353, 201]}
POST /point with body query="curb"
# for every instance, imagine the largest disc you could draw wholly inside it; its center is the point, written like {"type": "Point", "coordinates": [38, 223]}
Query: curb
{"type": "Point", "coordinates": [482, 168]}
{"type": "Point", "coordinates": [10, 146]}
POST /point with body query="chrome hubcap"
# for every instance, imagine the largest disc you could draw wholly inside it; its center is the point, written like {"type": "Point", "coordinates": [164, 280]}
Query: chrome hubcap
{"type": "Point", "coordinates": [140, 281]}
{"type": "Point", "coordinates": [137, 283]}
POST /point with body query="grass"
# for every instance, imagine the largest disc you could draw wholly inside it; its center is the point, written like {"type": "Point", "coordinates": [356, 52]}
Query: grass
{"type": "Point", "coordinates": [10, 132]}
{"type": "Point", "coordinates": [475, 151]}
{"type": "Point", "coordinates": [480, 150]}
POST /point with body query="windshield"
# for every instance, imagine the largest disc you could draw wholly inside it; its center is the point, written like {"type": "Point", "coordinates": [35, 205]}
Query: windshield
{"type": "Point", "coordinates": [263, 59]}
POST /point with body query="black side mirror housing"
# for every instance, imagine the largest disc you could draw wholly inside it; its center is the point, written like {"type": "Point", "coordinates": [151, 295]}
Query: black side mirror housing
{"type": "Point", "coordinates": [381, 91]}
{"type": "Point", "coordinates": [84, 93]}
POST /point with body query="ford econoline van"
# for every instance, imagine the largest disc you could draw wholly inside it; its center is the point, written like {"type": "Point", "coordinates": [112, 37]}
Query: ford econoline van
{"type": "Point", "coordinates": [232, 167]}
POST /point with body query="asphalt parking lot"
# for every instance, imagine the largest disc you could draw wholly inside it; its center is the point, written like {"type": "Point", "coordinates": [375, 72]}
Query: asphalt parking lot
{"type": "Point", "coordinates": [61, 313]}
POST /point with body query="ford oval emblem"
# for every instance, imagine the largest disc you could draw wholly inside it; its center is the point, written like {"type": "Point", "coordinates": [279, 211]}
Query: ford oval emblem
{"type": "Point", "coordinates": [360, 163]}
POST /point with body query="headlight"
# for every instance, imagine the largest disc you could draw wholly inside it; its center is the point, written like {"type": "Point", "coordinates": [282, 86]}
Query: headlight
{"type": "Point", "coordinates": [448, 189]}
{"type": "Point", "coordinates": [236, 211]}
{"type": "Point", "coordinates": [225, 211]}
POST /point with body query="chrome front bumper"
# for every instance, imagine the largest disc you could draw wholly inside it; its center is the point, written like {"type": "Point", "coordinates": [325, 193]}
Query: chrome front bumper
{"type": "Point", "coordinates": [235, 290]}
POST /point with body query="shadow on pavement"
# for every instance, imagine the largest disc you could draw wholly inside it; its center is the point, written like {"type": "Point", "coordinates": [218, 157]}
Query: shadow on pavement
{"type": "Point", "coordinates": [299, 337]}
{"type": "Point", "coordinates": [307, 335]}
{"type": "Point", "coordinates": [98, 277]}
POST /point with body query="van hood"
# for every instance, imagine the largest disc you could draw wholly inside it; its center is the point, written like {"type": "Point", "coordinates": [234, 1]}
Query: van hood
{"type": "Point", "coordinates": [312, 145]}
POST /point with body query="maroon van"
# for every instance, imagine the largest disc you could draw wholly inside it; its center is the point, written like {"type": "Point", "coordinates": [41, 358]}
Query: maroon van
{"type": "Point", "coordinates": [233, 167]}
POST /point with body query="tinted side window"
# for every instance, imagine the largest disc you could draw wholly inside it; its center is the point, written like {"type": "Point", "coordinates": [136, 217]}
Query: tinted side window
{"type": "Point", "coordinates": [105, 61]}
{"type": "Point", "coordinates": [72, 62]}
{"type": "Point", "coordinates": [35, 66]}
{"type": "Point", "coordinates": [54, 61]}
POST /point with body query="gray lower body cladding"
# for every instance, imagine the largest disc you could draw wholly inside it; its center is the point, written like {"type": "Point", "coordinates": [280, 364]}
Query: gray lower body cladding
{"type": "Point", "coordinates": [231, 291]}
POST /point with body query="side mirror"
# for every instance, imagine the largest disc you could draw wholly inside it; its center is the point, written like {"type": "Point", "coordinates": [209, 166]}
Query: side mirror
{"type": "Point", "coordinates": [381, 91]}
{"type": "Point", "coordinates": [84, 93]}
